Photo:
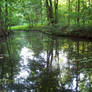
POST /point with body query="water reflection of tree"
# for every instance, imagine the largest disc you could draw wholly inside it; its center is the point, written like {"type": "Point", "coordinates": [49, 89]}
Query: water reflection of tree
{"type": "Point", "coordinates": [43, 76]}
{"type": "Point", "coordinates": [7, 64]}
{"type": "Point", "coordinates": [79, 54]}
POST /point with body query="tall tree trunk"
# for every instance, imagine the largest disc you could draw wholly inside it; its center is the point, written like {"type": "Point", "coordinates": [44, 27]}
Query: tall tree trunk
{"type": "Point", "coordinates": [0, 15]}
{"type": "Point", "coordinates": [56, 10]}
{"type": "Point", "coordinates": [89, 9]}
{"type": "Point", "coordinates": [2, 29]}
{"type": "Point", "coordinates": [0, 11]}
{"type": "Point", "coordinates": [78, 10]}
{"type": "Point", "coordinates": [89, 6]}
{"type": "Point", "coordinates": [49, 11]}
{"type": "Point", "coordinates": [83, 14]}
{"type": "Point", "coordinates": [41, 10]}
{"type": "Point", "coordinates": [6, 15]}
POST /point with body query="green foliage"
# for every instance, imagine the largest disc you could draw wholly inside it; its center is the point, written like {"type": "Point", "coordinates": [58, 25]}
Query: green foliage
{"type": "Point", "coordinates": [34, 13]}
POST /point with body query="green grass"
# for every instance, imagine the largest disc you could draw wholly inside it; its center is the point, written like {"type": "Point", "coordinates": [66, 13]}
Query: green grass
{"type": "Point", "coordinates": [26, 27]}
{"type": "Point", "coordinates": [20, 27]}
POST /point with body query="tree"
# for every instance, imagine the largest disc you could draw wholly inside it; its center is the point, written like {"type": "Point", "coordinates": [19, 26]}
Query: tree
{"type": "Point", "coordinates": [69, 10]}
{"type": "Point", "coordinates": [78, 10]}
{"type": "Point", "coordinates": [56, 10]}
{"type": "Point", "coordinates": [49, 11]}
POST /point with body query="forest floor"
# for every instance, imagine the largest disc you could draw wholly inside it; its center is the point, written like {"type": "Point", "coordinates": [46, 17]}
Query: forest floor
{"type": "Point", "coordinates": [72, 31]}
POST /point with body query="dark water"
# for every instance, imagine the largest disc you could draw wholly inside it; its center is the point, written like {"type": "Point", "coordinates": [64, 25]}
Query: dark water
{"type": "Point", "coordinates": [34, 62]}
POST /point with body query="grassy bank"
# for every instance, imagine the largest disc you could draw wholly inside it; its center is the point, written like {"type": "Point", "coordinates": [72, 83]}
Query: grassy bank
{"type": "Point", "coordinates": [58, 30]}
{"type": "Point", "coordinates": [25, 27]}
{"type": "Point", "coordinates": [20, 27]}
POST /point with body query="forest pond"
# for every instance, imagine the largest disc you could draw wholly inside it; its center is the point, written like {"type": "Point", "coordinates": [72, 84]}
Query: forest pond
{"type": "Point", "coordinates": [36, 62]}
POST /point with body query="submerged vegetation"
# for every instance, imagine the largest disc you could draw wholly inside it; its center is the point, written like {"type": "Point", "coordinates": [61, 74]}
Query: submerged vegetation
{"type": "Point", "coordinates": [67, 17]}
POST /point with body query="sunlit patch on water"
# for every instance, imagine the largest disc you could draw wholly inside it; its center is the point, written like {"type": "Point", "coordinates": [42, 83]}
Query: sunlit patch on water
{"type": "Point", "coordinates": [26, 54]}
{"type": "Point", "coordinates": [24, 70]}
{"type": "Point", "coordinates": [43, 55]}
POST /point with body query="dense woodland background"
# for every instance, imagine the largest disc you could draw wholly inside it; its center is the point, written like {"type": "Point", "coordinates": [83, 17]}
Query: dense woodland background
{"type": "Point", "coordinates": [38, 13]}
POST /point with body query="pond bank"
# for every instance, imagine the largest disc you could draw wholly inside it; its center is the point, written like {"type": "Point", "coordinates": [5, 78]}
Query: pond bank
{"type": "Point", "coordinates": [66, 31]}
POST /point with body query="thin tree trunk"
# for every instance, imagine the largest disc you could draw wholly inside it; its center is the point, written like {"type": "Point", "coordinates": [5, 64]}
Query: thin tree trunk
{"type": "Point", "coordinates": [78, 19]}
{"type": "Point", "coordinates": [89, 8]}
{"type": "Point", "coordinates": [83, 14]}
{"type": "Point", "coordinates": [0, 15]}
{"type": "Point", "coordinates": [41, 10]}
{"type": "Point", "coordinates": [2, 29]}
{"type": "Point", "coordinates": [76, 11]}
{"type": "Point", "coordinates": [69, 12]}
{"type": "Point", "coordinates": [6, 15]}
{"type": "Point", "coordinates": [56, 10]}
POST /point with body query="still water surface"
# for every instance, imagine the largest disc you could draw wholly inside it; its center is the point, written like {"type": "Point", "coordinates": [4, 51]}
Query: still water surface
{"type": "Point", "coordinates": [35, 62]}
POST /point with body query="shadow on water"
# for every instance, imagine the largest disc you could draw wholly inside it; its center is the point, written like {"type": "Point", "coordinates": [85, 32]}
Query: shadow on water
{"type": "Point", "coordinates": [34, 62]}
